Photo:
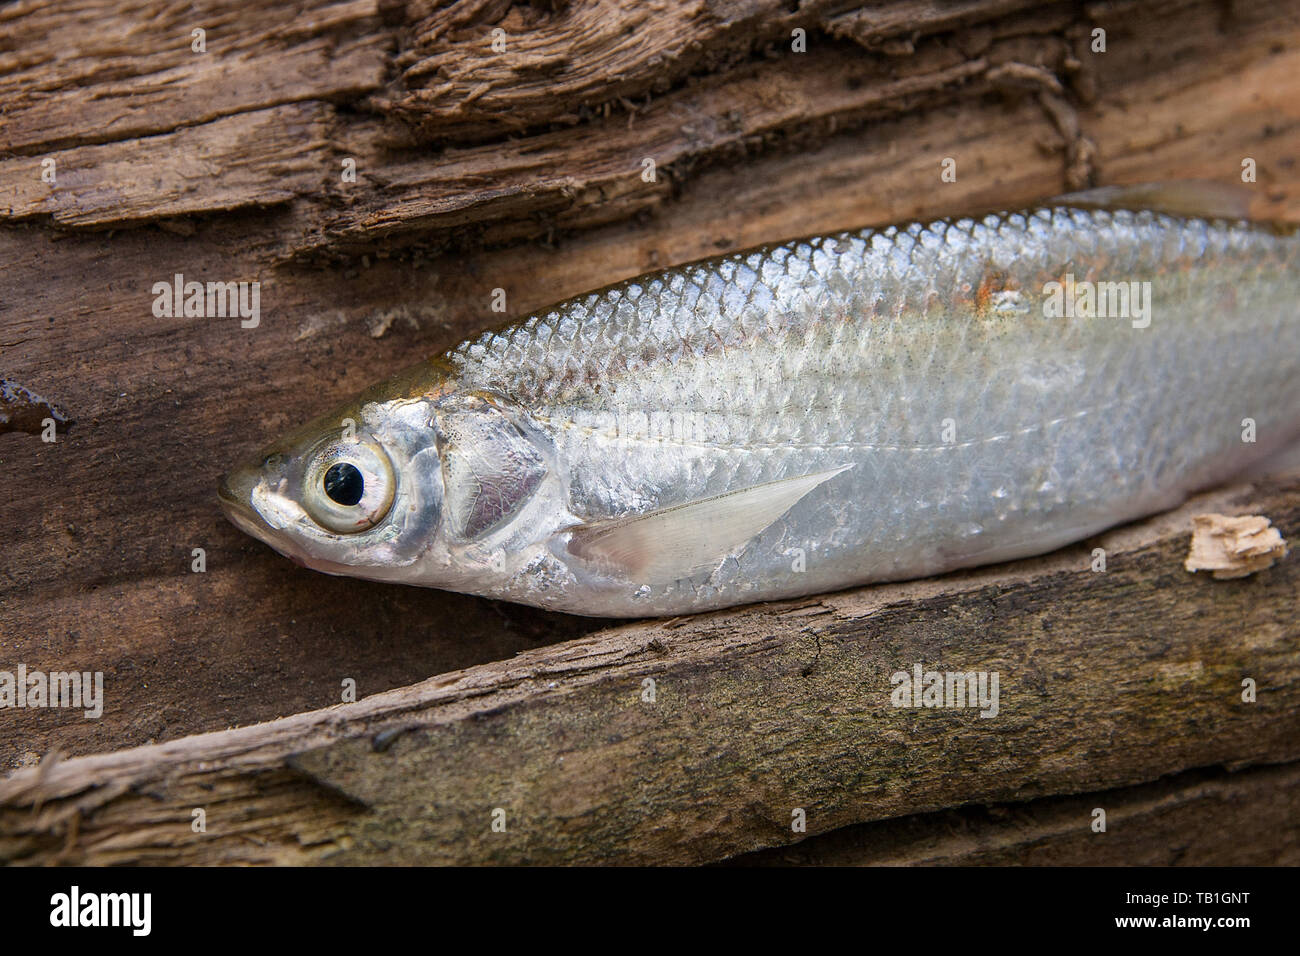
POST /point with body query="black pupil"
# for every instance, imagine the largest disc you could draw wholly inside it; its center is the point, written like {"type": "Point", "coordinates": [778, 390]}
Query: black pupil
{"type": "Point", "coordinates": [344, 484]}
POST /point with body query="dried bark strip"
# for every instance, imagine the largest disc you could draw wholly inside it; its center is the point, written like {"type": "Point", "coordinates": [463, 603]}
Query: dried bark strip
{"type": "Point", "coordinates": [563, 63]}
{"type": "Point", "coordinates": [1190, 78]}
{"type": "Point", "coordinates": [97, 71]}
{"type": "Point", "coordinates": [512, 184]}
{"type": "Point", "coordinates": [197, 169]}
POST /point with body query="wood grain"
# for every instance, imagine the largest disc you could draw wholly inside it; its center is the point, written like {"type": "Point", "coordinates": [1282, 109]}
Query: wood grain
{"type": "Point", "coordinates": [197, 169]}
{"type": "Point", "coordinates": [1199, 818]}
{"type": "Point", "coordinates": [98, 71]}
{"type": "Point", "coordinates": [1160, 91]}
{"type": "Point", "coordinates": [567, 62]}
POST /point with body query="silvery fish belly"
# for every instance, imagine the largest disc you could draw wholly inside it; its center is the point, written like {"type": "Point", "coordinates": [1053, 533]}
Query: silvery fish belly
{"type": "Point", "coordinates": [866, 406]}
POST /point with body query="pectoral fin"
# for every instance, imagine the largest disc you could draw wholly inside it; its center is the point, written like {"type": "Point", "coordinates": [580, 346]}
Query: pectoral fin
{"type": "Point", "coordinates": [1190, 197]}
{"type": "Point", "coordinates": [675, 542]}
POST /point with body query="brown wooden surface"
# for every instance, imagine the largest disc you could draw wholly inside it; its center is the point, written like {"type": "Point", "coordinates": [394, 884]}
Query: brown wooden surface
{"type": "Point", "coordinates": [225, 166]}
{"type": "Point", "coordinates": [1200, 818]}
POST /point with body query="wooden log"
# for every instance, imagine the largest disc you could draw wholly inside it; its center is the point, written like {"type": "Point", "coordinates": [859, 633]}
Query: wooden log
{"type": "Point", "coordinates": [100, 71]}
{"type": "Point", "coordinates": [227, 166]}
{"type": "Point", "coordinates": [99, 185]}
{"type": "Point", "coordinates": [1248, 818]}
{"type": "Point", "coordinates": [552, 66]}
{"type": "Point", "coordinates": [1176, 82]}
{"type": "Point", "coordinates": [695, 739]}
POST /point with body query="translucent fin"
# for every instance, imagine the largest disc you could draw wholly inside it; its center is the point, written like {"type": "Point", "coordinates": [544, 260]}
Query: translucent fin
{"type": "Point", "coordinates": [662, 546]}
{"type": "Point", "coordinates": [1202, 198]}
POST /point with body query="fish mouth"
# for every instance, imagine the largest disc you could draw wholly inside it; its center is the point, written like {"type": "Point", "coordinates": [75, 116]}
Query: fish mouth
{"type": "Point", "coordinates": [235, 492]}
{"type": "Point", "coordinates": [225, 492]}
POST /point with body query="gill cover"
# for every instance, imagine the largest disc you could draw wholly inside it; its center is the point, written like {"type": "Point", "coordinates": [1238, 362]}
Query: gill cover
{"type": "Point", "coordinates": [490, 467]}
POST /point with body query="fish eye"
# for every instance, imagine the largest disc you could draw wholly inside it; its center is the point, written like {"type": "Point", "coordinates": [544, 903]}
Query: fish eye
{"type": "Point", "coordinates": [344, 483]}
{"type": "Point", "coordinates": [348, 485]}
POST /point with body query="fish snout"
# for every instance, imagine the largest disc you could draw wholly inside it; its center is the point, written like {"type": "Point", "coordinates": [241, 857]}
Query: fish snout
{"type": "Point", "coordinates": [235, 492]}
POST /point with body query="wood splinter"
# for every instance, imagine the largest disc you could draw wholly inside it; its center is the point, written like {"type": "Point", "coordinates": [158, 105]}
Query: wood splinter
{"type": "Point", "coordinates": [1233, 547]}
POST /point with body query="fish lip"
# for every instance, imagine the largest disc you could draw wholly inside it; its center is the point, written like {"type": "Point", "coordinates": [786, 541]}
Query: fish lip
{"type": "Point", "coordinates": [241, 515]}
{"type": "Point", "coordinates": [238, 508]}
{"type": "Point", "coordinates": [225, 492]}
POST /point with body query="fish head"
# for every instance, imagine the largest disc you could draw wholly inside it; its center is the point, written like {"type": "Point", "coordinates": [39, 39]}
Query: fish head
{"type": "Point", "coordinates": [416, 481]}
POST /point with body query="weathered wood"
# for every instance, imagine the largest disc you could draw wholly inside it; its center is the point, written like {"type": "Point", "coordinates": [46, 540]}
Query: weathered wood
{"type": "Point", "coordinates": [98, 71]}
{"type": "Point", "coordinates": [1172, 60]}
{"type": "Point", "coordinates": [1106, 679]}
{"type": "Point", "coordinates": [563, 63]}
{"type": "Point", "coordinates": [237, 154]}
{"type": "Point", "coordinates": [1248, 818]}
{"type": "Point", "coordinates": [547, 181]}
{"type": "Point", "coordinates": [207, 168]}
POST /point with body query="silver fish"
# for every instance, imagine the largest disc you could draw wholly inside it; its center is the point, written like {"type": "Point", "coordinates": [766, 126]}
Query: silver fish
{"type": "Point", "coordinates": [866, 406]}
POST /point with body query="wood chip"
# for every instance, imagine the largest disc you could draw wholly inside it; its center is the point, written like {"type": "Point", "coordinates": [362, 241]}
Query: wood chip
{"type": "Point", "coordinates": [1233, 547]}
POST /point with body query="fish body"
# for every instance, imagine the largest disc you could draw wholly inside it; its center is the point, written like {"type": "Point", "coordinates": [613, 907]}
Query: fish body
{"type": "Point", "coordinates": [872, 405]}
